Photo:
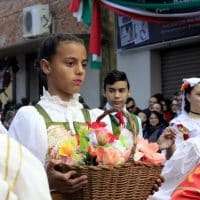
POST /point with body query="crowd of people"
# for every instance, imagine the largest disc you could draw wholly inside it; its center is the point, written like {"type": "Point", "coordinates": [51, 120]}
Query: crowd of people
{"type": "Point", "coordinates": [156, 117]}
{"type": "Point", "coordinates": [174, 124]}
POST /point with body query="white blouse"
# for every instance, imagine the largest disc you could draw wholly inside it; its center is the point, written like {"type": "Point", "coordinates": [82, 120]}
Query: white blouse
{"type": "Point", "coordinates": [184, 159]}
{"type": "Point", "coordinates": [191, 123]}
{"type": "Point", "coordinates": [29, 128]}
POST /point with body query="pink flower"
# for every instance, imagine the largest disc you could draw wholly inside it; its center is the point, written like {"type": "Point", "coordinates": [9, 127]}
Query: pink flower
{"type": "Point", "coordinates": [109, 156]}
{"type": "Point", "coordinates": [147, 152]}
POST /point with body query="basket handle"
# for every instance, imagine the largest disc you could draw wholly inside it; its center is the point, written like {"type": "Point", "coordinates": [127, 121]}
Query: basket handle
{"type": "Point", "coordinates": [128, 116]}
{"type": "Point", "coordinates": [106, 112]}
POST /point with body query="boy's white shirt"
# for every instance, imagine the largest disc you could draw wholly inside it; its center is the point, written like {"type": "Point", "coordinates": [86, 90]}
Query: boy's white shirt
{"type": "Point", "coordinates": [31, 182]}
{"type": "Point", "coordinates": [29, 128]}
{"type": "Point", "coordinates": [108, 107]}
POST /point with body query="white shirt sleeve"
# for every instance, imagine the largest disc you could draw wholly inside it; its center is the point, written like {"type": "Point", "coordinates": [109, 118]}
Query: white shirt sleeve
{"type": "Point", "coordinates": [31, 179]}
{"type": "Point", "coordinates": [3, 129]}
{"type": "Point", "coordinates": [28, 128]}
{"type": "Point", "coordinates": [32, 183]}
{"type": "Point", "coordinates": [184, 159]}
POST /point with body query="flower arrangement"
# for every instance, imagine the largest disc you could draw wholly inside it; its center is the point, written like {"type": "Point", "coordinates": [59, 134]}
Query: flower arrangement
{"type": "Point", "coordinates": [94, 144]}
{"type": "Point", "coordinates": [185, 86]}
{"type": "Point", "coordinates": [182, 129]}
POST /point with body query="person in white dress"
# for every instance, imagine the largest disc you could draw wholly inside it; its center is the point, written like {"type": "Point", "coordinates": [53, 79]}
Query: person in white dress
{"type": "Point", "coordinates": [22, 176]}
{"type": "Point", "coordinates": [186, 139]}
{"type": "Point", "coordinates": [63, 60]}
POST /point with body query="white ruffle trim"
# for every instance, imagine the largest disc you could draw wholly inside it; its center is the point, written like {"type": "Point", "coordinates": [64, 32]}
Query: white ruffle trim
{"type": "Point", "coordinates": [73, 102]}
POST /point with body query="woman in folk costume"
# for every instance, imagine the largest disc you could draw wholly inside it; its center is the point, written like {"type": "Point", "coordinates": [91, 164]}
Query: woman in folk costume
{"type": "Point", "coordinates": [116, 91]}
{"type": "Point", "coordinates": [186, 128]}
{"type": "Point", "coordinates": [22, 176]}
{"type": "Point", "coordinates": [63, 59]}
{"type": "Point", "coordinates": [187, 124]}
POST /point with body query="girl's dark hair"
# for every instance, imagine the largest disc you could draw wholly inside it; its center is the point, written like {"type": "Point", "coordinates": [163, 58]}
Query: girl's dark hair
{"type": "Point", "coordinates": [50, 44]}
{"type": "Point", "coordinates": [49, 47]}
{"type": "Point", "coordinates": [115, 76]}
{"type": "Point", "coordinates": [187, 103]}
{"type": "Point", "coordinates": [159, 97]}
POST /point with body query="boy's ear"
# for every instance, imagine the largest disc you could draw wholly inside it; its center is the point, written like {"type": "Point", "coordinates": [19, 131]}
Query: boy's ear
{"type": "Point", "coordinates": [46, 68]}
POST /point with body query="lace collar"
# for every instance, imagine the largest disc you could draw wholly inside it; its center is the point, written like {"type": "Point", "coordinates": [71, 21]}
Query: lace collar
{"type": "Point", "coordinates": [73, 102]}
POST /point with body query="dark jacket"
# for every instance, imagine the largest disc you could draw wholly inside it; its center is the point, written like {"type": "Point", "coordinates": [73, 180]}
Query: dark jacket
{"type": "Point", "coordinates": [153, 133]}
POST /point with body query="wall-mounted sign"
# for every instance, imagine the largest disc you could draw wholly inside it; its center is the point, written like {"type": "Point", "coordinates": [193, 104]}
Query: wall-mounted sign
{"type": "Point", "coordinates": [134, 33]}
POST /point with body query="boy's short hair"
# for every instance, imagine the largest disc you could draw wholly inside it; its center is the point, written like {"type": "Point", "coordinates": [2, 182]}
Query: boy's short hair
{"type": "Point", "coordinates": [115, 76]}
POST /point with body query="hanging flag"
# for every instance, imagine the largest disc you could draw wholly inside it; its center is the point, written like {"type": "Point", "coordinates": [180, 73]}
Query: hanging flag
{"type": "Point", "coordinates": [89, 11]}
{"type": "Point", "coordinates": [95, 62]}
{"type": "Point", "coordinates": [82, 10]}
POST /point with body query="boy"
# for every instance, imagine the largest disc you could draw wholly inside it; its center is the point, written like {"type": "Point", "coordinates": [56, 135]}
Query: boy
{"type": "Point", "coordinates": [116, 91]}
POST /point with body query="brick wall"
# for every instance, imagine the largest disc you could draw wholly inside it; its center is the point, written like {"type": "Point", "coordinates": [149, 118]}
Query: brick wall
{"type": "Point", "coordinates": [11, 19]}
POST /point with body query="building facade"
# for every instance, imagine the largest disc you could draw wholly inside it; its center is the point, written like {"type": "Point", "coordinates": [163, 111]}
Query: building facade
{"type": "Point", "coordinates": [157, 58]}
{"type": "Point", "coordinates": [15, 44]}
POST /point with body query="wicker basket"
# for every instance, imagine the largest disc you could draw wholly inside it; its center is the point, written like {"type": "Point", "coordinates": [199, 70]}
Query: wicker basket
{"type": "Point", "coordinates": [132, 181]}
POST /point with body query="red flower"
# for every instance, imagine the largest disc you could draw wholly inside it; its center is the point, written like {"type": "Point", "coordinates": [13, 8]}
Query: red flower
{"type": "Point", "coordinates": [112, 138]}
{"type": "Point", "coordinates": [96, 125]}
{"type": "Point", "coordinates": [184, 131]}
{"type": "Point", "coordinates": [185, 86]}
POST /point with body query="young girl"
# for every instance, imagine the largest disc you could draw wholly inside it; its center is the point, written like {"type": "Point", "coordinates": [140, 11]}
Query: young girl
{"type": "Point", "coordinates": [187, 124]}
{"type": "Point", "coordinates": [186, 157]}
{"type": "Point", "coordinates": [63, 60]}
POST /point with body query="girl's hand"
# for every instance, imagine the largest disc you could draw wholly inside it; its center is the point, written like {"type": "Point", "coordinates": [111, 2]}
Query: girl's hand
{"type": "Point", "coordinates": [167, 138]}
{"type": "Point", "coordinates": [157, 184]}
{"type": "Point", "coordinates": [64, 182]}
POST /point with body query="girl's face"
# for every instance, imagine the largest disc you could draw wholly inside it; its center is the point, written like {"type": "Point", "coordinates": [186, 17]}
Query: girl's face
{"type": "Point", "coordinates": [164, 105]}
{"type": "Point", "coordinates": [157, 107]}
{"type": "Point", "coordinates": [152, 101]}
{"type": "Point", "coordinates": [194, 99]}
{"type": "Point", "coordinates": [153, 120]}
{"type": "Point", "coordinates": [174, 106]}
{"type": "Point", "coordinates": [67, 69]}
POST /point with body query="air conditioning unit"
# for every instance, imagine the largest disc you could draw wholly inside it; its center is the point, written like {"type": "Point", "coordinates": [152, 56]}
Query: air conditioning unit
{"type": "Point", "coordinates": [36, 20]}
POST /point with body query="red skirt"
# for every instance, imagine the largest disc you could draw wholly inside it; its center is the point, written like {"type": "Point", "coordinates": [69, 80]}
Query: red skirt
{"type": "Point", "coordinates": [189, 189]}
